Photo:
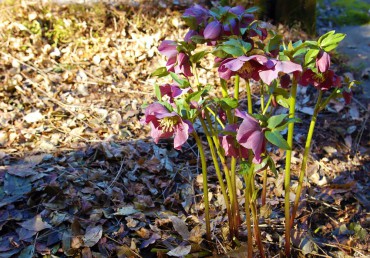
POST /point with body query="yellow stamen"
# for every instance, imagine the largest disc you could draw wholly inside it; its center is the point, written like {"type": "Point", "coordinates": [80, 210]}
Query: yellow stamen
{"type": "Point", "coordinates": [167, 124]}
{"type": "Point", "coordinates": [246, 68]}
{"type": "Point", "coordinates": [319, 78]}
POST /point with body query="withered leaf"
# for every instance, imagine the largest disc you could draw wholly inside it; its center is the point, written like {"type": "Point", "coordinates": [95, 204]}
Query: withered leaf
{"type": "Point", "coordinates": [180, 251]}
{"type": "Point", "coordinates": [180, 226]}
{"type": "Point", "coordinates": [92, 235]}
{"type": "Point", "coordinates": [35, 224]}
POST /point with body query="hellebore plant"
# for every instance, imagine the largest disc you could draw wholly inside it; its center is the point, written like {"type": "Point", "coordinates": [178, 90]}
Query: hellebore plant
{"type": "Point", "coordinates": [238, 139]}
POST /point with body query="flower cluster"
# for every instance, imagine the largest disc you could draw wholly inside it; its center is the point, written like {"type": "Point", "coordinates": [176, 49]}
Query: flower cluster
{"type": "Point", "coordinates": [242, 47]}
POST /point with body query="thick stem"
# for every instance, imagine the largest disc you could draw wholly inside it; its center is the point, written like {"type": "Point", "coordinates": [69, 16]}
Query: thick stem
{"type": "Point", "coordinates": [249, 97]}
{"type": "Point", "coordinates": [264, 190]}
{"type": "Point", "coordinates": [307, 149]}
{"type": "Point", "coordinates": [247, 195]}
{"type": "Point", "coordinates": [205, 185]}
{"type": "Point", "coordinates": [288, 160]}
{"type": "Point", "coordinates": [262, 97]}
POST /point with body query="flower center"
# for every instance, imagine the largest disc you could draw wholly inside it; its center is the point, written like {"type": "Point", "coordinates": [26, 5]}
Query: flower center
{"type": "Point", "coordinates": [167, 124]}
{"type": "Point", "coordinates": [246, 68]}
{"type": "Point", "coordinates": [319, 78]}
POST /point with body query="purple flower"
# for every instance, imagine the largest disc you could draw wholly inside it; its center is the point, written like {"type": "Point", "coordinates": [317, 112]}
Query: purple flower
{"type": "Point", "coordinates": [230, 145]}
{"type": "Point", "coordinates": [256, 67]}
{"type": "Point", "coordinates": [323, 61]}
{"type": "Point", "coordinates": [188, 35]}
{"type": "Point", "coordinates": [165, 124]}
{"type": "Point", "coordinates": [168, 48]}
{"type": "Point", "coordinates": [183, 65]}
{"type": "Point", "coordinates": [213, 30]}
{"type": "Point", "coordinates": [172, 91]}
{"type": "Point", "coordinates": [322, 81]}
{"type": "Point", "coordinates": [250, 135]}
{"type": "Point", "coordinates": [347, 95]}
{"type": "Point", "coordinates": [238, 10]}
{"type": "Point", "coordinates": [198, 12]}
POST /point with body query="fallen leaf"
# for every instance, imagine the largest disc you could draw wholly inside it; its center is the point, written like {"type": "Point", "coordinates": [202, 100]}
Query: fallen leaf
{"type": "Point", "coordinates": [124, 211]}
{"type": "Point", "coordinates": [92, 235]}
{"type": "Point", "coordinates": [35, 224]}
{"type": "Point", "coordinates": [180, 227]}
{"type": "Point", "coordinates": [180, 251]}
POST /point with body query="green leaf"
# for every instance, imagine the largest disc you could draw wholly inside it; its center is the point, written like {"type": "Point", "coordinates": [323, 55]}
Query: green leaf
{"type": "Point", "coordinates": [310, 56]}
{"type": "Point", "coordinates": [262, 165]}
{"type": "Point", "coordinates": [274, 43]}
{"type": "Point", "coordinates": [274, 121]}
{"type": "Point", "coordinates": [252, 9]}
{"type": "Point", "coordinates": [276, 139]}
{"type": "Point", "coordinates": [198, 39]}
{"type": "Point", "coordinates": [198, 56]}
{"type": "Point", "coordinates": [282, 101]}
{"type": "Point", "coordinates": [245, 168]}
{"type": "Point", "coordinates": [330, 40]}
{"type": "Point", "coordinates": [157, 92]}
{"type": "Point", "coordinates": [229, 102]}
{"type": "Point", "coordinates": [160, 72]}
{"type": "Point", "coordinates": [289, 121]}
{"type": "Point", "coordinates": [191, 21]}
{"type": "Point", "coordinates": [195, 96]}
{"type": "Point", "coordinates": [181, 82]}
{"type": "Point", "coordinates": [272, 166]}
{"type": "Point", "coordinates": [233, 50]}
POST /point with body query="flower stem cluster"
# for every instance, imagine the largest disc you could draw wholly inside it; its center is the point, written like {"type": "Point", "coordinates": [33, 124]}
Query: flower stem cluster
{"type": "Point", "coordinates": [242, 47]}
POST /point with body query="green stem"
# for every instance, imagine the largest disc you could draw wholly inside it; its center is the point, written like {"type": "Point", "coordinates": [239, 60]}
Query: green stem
{"type": "Point", "coordinates": [267, 105]}
{"type": "Point", "coordinates": [249, 97]}
{"type": "Point", "coordinates": [222, 158]}
{"type": "Point", "coordinates": [264, 190]}
{"type": "Point", "coordinates": [247, 194]}
{"type": "Point", "coordinates": [196, 77]}
{"type": "Point", "coordinates": [205, 185]}
{"type": "Point", "coordinates": [307, 149]}
{"type": "Point", "coordinates": [262, 97]}
{"type": "Point", "coordinates": [288, 161]}
{"type": "Point", "coordinates": [236, 87]}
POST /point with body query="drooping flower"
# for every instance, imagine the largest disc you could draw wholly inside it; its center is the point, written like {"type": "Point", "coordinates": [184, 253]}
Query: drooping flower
{"type": "Point", "coordinates": [323, 61]}
{"type": "Point", "coordinates": [183, 65]}
{"type": "Point", "coordinates": [250, 135]}
{"type": "Point", "coordinates": [190, 34]}
{"type": "Point", "coordinates": [177, 62]}
{"type": "Point", "coordinates": [165, 124]}
{"type": "Point", "coordinates": [213, 30]}
{"type": "Point", "coordinates": [230, 145]}
{"type": "Point", "coordinates": [172, 91]}
{"type": "Point", "coordinates": [347, 95]}
{"type": "Point", "coordinates": [322, 81]}
{"type": "Point", "coordinates": [197, 12]}
{"type": "Point", "coordinates": [168, 48]}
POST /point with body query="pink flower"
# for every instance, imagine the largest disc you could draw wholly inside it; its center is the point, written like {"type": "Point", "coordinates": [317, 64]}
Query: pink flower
{"type": "Point", "coordinates": [230, 145]}
{"type": "Point", "coordinates": [323, 61]}
{"type": "Point", "coordinates": [172, 91]}
{"type": "Point", "coordinates": [165, 124]}
{"type": "Point", "coordinates": [250, 135]}
{"type": "Point", "coordinates": [322, 81]}
{"type": "Point", "coordinates": [256, 67]}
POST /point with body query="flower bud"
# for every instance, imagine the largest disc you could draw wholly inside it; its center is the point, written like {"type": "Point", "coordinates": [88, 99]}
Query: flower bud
{"type": "Point", "coordinates": [213, 30]}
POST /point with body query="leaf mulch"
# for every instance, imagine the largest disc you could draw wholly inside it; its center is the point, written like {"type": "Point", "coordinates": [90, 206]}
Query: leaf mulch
{"type": "Point", "coordinates": [79, 178]}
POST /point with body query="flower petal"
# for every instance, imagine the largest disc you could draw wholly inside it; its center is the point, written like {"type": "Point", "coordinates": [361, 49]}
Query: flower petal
{"type": "Point", "coordinates": [323, 61]}
{"type": "Point", "coordinates": [212, 30]}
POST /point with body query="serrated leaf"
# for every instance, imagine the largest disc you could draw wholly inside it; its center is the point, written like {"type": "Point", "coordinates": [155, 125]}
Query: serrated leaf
{"type": "Point", "coordinates": [275, 138]}
{"type": "Point", "coordinates": [274, 43]}
{"type": "Point", "coordinates": [274, 121]}
{"type": "Point", "coordinates": [160, 72]}
{"type": "Point", "coordinates": [198, 39]}
{"type": "Point", "coordinates": [195, 96]}
{"type": "Point", "coordinates": [198, 56]}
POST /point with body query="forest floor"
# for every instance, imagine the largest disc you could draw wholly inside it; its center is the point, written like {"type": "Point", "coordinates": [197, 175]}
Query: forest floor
{"type": "Point", "coordinates": [79, 176]}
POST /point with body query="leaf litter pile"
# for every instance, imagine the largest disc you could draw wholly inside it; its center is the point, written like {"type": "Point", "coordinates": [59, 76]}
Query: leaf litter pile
{"type": "Point", "coordinates": [80, 178]}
